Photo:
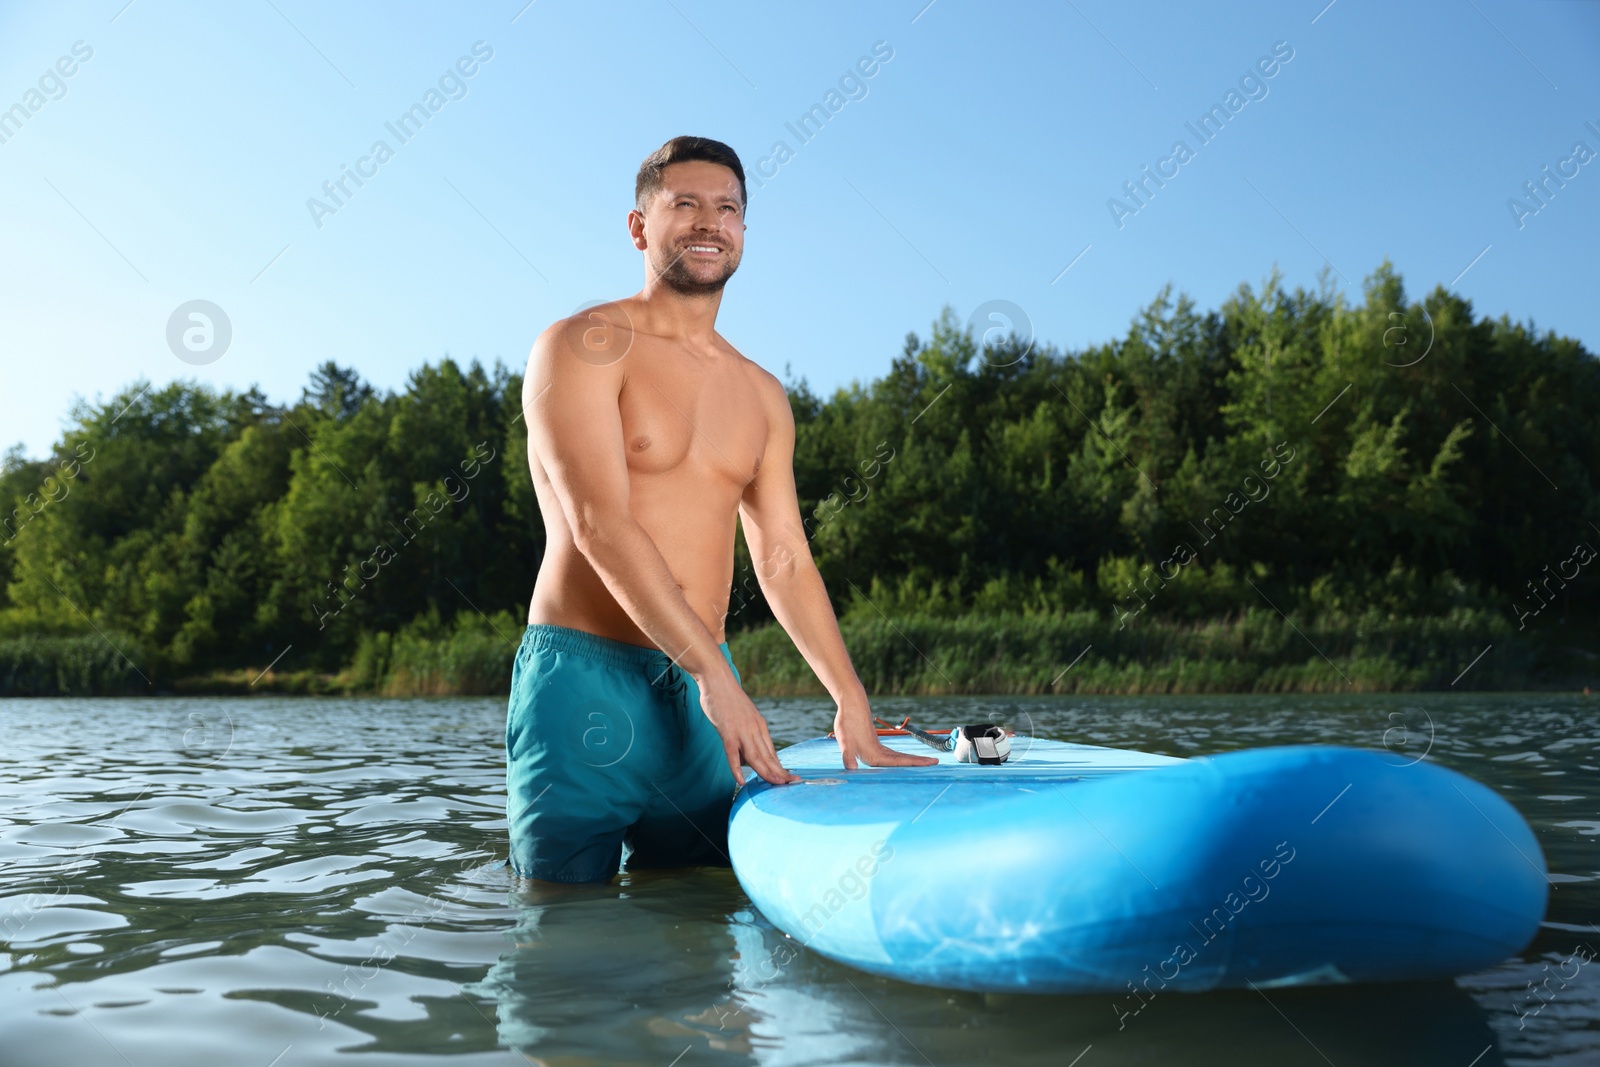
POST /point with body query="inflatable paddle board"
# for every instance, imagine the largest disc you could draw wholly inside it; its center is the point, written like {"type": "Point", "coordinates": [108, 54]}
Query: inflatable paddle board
{"type": "Point", "coordinates": [1076, 868]}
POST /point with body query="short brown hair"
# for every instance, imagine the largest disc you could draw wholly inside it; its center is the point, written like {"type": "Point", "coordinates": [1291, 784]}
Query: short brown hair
{"type": "Point", "coordinates": [685, 150]}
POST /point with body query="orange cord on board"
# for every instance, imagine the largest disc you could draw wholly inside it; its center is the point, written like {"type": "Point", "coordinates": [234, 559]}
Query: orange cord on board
{"type": "Point", "coordinates": [885, 730]}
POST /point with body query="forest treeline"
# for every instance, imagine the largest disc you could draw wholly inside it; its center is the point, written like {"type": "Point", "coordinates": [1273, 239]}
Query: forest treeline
{"type": "Point", "coordinates": [1291, 459]}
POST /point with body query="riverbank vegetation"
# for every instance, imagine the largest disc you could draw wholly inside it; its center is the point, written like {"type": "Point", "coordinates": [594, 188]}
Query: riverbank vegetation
{"type": "Point", "coordinates": [1290, 493]}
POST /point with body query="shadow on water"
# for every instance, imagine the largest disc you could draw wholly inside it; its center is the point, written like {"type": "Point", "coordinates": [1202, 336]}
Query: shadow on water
{"type": "Point", "coordinates": [676, 964]}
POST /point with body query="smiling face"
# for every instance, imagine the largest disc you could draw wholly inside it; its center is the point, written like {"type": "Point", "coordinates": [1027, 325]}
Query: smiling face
{"type": "Point", "coordinates": [693, 227]}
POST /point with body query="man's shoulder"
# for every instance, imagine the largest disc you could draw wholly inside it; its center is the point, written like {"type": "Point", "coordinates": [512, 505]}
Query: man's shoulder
{"type": "Point", "coordinates": [766, 383]}
{"type": "Point", "coordinates": [758, 375]}
{"type": "Point", "coordinates": [774, 402]}
{"type": "Point", "coordinates": [595, 336]}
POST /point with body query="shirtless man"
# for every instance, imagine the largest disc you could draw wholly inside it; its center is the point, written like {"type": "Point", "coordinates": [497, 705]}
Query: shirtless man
{"type": "Point", "coordinates": [649, 437]}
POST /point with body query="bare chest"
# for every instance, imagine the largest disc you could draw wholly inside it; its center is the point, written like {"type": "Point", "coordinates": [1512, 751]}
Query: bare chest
{"type": "Point", "coordinates": [699, 420]}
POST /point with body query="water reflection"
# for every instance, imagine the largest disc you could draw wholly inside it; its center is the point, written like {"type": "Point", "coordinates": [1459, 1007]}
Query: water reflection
{"type": "Point", "coordinates": [639, 970]}
{"type": "Point", "coordinates": [672, 965]}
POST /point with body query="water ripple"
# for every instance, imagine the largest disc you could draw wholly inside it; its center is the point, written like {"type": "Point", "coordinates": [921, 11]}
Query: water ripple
{"type": "Point", "coordinates": [304, 881]}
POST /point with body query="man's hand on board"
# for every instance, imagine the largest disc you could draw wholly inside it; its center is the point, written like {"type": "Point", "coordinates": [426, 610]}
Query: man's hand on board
{"type": "Point", "coordinates": [858, 743]}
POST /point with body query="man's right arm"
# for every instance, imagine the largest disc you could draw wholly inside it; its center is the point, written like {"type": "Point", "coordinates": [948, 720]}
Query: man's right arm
{"type": "Point", "coordinates": [575, 436]}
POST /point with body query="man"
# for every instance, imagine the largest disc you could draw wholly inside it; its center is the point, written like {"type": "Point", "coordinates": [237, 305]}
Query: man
{"type": "Point", "coordinates": [649, 436]}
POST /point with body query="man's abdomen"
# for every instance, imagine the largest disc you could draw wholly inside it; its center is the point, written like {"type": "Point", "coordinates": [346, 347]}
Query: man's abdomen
{"type": "Point", "coordinates": [570, 592]}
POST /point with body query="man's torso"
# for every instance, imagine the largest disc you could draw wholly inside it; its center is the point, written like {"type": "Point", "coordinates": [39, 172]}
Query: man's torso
{"type": "Point", "coordinates": [693, 432]}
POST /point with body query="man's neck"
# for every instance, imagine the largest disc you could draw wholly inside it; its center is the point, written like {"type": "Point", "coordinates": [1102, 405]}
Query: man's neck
{"type": "Point", "coordinates": [688, 317]}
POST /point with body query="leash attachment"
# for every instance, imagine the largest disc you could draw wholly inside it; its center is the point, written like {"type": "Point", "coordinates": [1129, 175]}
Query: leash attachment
{"type": "Point", "coordinates": [982, 742]}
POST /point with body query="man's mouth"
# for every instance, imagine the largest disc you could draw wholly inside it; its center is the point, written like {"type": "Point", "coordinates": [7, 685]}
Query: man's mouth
{"type": "Point", "coordinates": [704, 250]}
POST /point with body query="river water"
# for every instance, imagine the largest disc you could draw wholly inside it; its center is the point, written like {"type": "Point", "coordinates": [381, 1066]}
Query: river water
{"type": "Point", "coordinates": [282, 882]}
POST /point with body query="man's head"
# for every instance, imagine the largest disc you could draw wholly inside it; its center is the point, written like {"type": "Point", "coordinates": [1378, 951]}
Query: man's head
{"type": "Point", "coordinates": [688, 217]}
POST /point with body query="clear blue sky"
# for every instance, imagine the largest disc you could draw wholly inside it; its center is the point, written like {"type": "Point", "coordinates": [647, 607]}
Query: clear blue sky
{"type": "Point", "coordinates": [175, 163]}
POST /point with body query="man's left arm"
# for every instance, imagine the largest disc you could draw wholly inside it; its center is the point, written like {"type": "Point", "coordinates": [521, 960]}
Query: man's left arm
{"type": "Point", "coordinates": [770, 511]}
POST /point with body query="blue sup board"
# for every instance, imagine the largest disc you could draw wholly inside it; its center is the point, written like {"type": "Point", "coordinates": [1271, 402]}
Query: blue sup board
{"type": "Point", "coordinates": [1077, 868]}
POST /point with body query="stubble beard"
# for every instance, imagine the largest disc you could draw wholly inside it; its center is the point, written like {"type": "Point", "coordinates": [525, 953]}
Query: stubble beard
{"type": "Point", "coordinates": [680, 277]}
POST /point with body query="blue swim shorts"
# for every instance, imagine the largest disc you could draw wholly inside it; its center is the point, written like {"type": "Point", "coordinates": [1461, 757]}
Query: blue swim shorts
{"type": "Point", "coordinates": [606, 747]}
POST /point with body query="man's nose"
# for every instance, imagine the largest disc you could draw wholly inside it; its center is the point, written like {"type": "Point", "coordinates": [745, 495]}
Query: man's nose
{"type": "Point", "coordinates": [708, 219]}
